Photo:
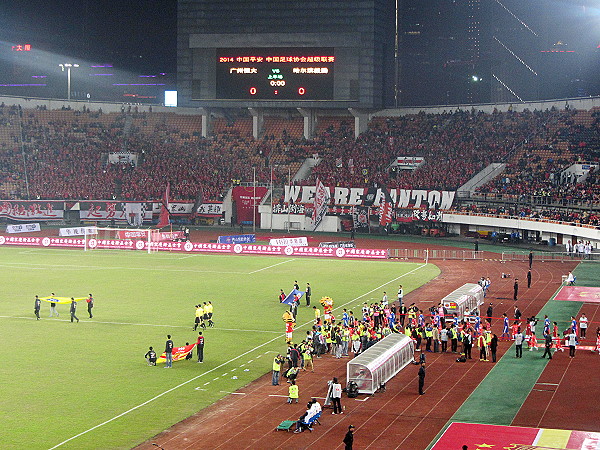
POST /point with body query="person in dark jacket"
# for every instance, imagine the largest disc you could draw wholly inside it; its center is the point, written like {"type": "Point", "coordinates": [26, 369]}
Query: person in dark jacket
{"type": "Point", "coordinates": [422, 379]}
{"type": "Point", "coordinates": [489, 313]}
{"type": "Point", "coordinates": [547, 345]}
{"type": "Point", "coordinates": [349, 438]}
{"type": "Point", "coordinates": [494, 346]}
{"type": "Point", "coordinates": [73, 309]}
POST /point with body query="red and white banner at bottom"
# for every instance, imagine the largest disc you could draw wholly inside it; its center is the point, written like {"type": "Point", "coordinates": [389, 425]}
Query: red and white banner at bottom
{"type": "Point", "coordinates": [190, 247]}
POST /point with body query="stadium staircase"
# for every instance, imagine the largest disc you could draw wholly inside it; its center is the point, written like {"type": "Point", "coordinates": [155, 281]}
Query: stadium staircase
{"type": "Point", "coordinates": [305, 169]}
{"type": "Point", "coordinates": [481, 178]}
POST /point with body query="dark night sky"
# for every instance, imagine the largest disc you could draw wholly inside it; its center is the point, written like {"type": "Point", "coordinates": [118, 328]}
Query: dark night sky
{"type": "Point", "coordinates": [134, 35]}
{"type": "Point", "coordinates": [140, 36]}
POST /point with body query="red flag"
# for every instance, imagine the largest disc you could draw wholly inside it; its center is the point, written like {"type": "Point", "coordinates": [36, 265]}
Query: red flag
{"type": "Point", "coordinates": [163, 219]}
{"type": "Point", "coordinates": [385, 213]}
{"type": "Point", "coordinates": [179, 353]}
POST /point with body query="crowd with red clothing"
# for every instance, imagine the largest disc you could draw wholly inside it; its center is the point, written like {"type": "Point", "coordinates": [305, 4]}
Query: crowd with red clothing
{"type": "Point", "coordinates": [68, 159]}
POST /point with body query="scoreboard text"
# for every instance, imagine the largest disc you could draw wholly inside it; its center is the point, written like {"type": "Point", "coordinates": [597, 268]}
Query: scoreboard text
{"type": "Point", "coordinates": [275, 74]}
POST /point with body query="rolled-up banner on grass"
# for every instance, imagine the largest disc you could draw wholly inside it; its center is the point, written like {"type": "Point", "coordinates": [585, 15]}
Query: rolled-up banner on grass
{"type": "Point", "coordinates": [179, 353]}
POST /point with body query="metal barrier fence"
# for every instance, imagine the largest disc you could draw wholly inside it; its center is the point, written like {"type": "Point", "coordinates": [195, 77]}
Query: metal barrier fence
{"type": "Point", "coordinates": [467, 255]}
{"type": "Point", "coordinates": [426, 254]}
{"type": "Point", "coordinates": [550, 256]}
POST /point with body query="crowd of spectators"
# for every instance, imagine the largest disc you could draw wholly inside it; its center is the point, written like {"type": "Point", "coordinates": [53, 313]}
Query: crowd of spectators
{"type": "Point", "coordinates": [555, 214]}
{"type": "Point", "coordinates": [455, 147]}
{"type": "Point", "coordinates": [539, 167]}
{"type": "Point", "coordinates": [66, 154]}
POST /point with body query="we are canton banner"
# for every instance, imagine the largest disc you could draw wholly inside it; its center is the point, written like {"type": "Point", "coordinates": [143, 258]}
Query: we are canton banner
{"type": "Point", "coordinates": [237, 239]}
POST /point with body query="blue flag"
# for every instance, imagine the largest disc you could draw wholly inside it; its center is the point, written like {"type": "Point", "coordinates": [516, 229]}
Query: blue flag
{"type": "Point", "coordinates": [290, 298]}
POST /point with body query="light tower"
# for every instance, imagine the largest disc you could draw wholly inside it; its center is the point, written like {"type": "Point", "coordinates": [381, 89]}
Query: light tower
{"type": "Point", "coordinates": [68, 66]}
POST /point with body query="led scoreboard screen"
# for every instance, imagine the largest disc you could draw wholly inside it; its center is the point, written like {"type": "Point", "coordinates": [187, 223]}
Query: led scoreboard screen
{"type": "Point", "coordinates": [275, 73]}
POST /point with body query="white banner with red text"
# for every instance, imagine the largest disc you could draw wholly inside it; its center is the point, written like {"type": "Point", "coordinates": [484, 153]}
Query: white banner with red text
{"type": "Point", "coordinates": [194, 247]}
{"type": "Point", "coordinates": [26, 211]}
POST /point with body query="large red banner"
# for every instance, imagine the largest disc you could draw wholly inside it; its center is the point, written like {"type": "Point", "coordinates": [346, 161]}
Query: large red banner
{"type": "Point", "coordinates": [579, 294]}
{"type": "Point", "coordinates": [480, 437]}
{"type": "Point", "coordinates": [178, 353]}
{"type": "Point", "coordinates": [245, 198]}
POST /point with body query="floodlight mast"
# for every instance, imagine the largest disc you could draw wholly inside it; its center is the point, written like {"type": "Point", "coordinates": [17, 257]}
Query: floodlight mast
{"type": "Point", "coordinates": [68, 66]}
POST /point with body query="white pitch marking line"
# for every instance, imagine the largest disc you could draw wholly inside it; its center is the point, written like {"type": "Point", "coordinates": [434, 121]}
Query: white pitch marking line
{"type": "Point", "coordinates": [269, 267]}
{"type": "Point", "coordinates": [548, 384]}
{"type": "Point", "coordinates": [208, 382]}
{"type": "Point", "coordinates": [199, 389]}
{"type": "Point", "coordinates": [250, 361]}
{"type": "Point", "coordinates": [79, 267]}
{"type": "Point", "coordinates": [215, 379]}
{"type": "Point", "coordinates": [277, 395]}
{"type": "Point", "coordinates": [147, 325]}
{"type": "Point", "coordinates": [162, 394]}
{"type": "Point", "coordinates": [233, 393]}
{"type": "Point", "coordinates": [363, 400]}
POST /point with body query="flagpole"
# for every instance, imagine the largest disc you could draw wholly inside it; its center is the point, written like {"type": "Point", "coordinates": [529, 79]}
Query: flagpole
{"type": "Point", "coordinates": [290, 196]}
{"type": "Point", "coordinates": [271, 199]}
{"type": "Point", "coordinates": [254, 200]}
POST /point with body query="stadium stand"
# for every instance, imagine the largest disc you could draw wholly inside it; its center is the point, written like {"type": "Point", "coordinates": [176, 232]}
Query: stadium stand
{"type": "Point", "coordinates": [66, 154]}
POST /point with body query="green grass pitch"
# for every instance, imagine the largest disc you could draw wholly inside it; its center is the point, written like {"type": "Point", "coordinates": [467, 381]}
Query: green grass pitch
{"type": "Point", "coordinates": [87, 385]}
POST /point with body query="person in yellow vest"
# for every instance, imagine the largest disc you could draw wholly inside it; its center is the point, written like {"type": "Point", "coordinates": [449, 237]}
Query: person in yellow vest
{"type": "Point", "coordinates": [317, 315]}
{"type": "Point", "coordinates": [277, 362]}
{"type": "Point", "coordinates": [208, 311]}
{"type": "Point", "coordinates": [482, 343]}
{"type": "Point", "coordinates": [199, 319]}
{"type": "Point", "coordinates": [345, 340]}
{"type": "Point", "coordinates": [355, 337]}
{"type": "Point", "coordinates": [488, 341]}
{"type": "Point", "coordinates": [307, 358]}
{"type": "Point", "coordinates": [328, 340]}
{"type": "Point", "coordinates": [293, 392]}
{"type": "Point", "coordinates": [428, 336]}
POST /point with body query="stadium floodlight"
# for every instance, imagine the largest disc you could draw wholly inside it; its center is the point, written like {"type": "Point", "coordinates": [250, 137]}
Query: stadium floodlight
{"type": "Point", "coordinates": [68, 66]}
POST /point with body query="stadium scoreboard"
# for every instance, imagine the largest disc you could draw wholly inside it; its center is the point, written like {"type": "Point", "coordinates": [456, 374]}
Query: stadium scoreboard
{"type": "Point", "coordinates": [275, 73]}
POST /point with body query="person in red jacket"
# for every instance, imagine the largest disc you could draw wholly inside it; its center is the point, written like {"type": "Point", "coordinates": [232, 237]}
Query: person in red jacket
{"type": "Point", "coordinates": [90, 305]}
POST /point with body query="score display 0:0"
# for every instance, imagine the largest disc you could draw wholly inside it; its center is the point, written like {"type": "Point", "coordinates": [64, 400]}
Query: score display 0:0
{"type": "Point", "coordinates": [254, 91]}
